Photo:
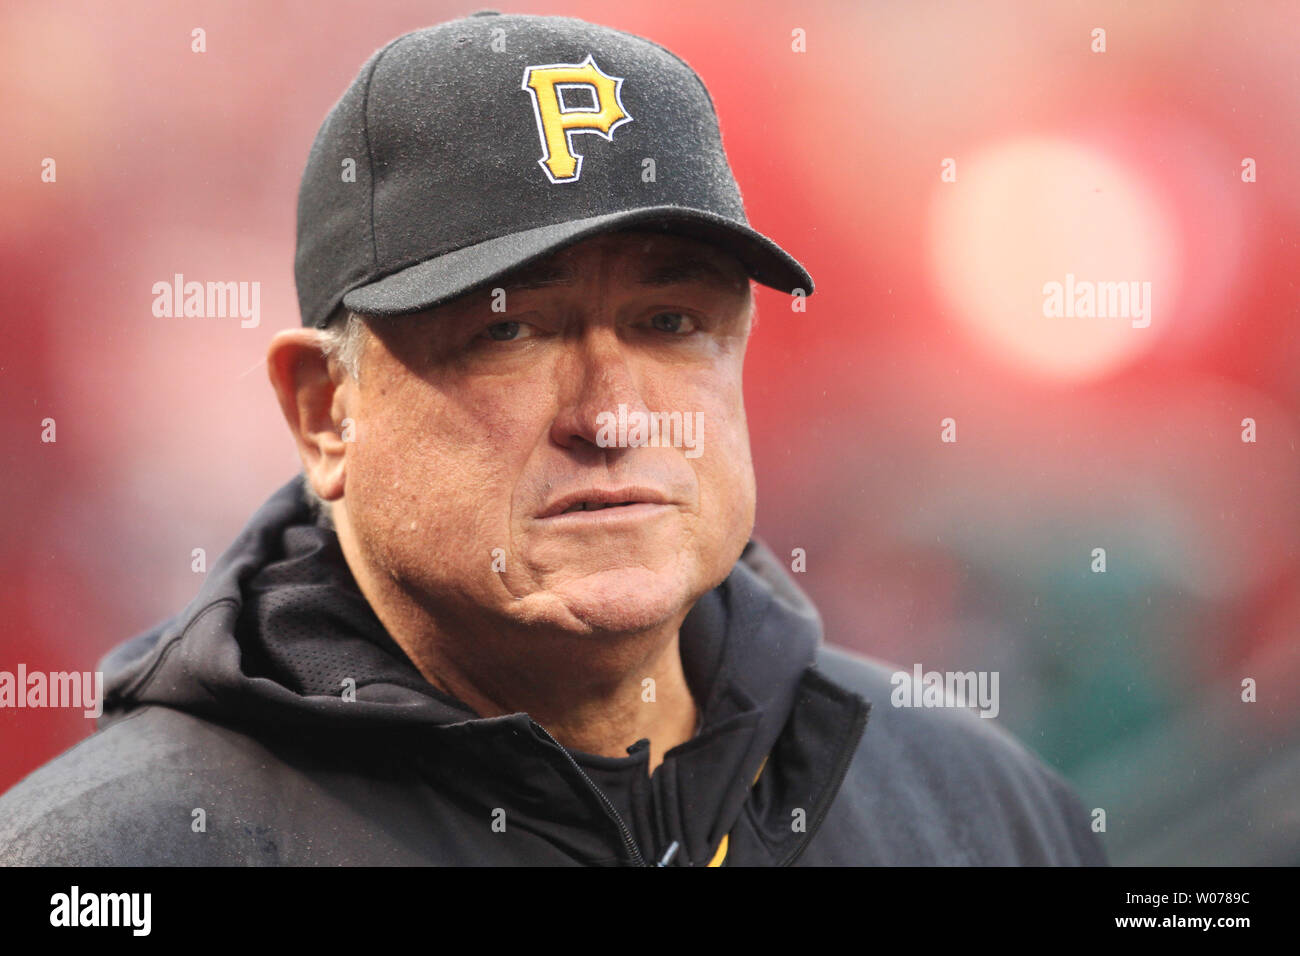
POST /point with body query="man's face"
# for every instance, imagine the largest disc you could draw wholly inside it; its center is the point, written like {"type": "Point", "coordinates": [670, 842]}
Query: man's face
{"type": "Point", "coordinates": [476, 428]}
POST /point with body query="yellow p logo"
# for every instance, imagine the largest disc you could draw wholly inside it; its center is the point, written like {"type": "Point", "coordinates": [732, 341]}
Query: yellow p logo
{"type": "Point", "coordinates": [556, 124]}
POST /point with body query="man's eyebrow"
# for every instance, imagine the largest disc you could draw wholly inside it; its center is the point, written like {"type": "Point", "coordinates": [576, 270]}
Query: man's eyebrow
{"type": "Point", "coordinates": [677, 270]}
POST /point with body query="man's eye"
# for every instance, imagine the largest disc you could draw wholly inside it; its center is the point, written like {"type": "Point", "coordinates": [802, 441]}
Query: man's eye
{"type": "Point", "coordinates": [673, 322]}
{"type": "Point", "coordinates": [505, 331]}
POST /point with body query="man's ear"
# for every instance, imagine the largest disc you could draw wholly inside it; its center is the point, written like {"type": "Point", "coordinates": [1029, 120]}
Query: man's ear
{"type": "Point", "coordinates": [314, 395]}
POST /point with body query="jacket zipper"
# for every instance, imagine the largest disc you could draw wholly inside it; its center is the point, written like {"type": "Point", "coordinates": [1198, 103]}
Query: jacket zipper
{"type": "Point", "coordinates": [628, 840]}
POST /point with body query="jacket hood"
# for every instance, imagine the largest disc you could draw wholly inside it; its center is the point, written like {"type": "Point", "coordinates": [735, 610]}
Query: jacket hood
{"type": "Point", "coordinates": [280, 629]}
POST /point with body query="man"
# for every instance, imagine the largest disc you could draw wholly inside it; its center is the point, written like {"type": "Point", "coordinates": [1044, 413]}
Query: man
{"type": "Point", "coordinates": [512, 612]}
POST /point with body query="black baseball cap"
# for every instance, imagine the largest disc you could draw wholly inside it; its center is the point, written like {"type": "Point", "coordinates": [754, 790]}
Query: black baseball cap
{"type": "Point", "coordinates": [465, 150]}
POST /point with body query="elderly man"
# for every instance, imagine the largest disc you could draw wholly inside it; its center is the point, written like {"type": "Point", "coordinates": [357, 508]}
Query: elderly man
{"type": "Point", "coordinates": [512, 612]}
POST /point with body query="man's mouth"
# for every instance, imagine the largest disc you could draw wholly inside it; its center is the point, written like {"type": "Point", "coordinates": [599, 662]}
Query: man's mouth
{"type": "Point", "coordinates": [594, 506]}
{"type": "Point", "coordinates": [603, 500]}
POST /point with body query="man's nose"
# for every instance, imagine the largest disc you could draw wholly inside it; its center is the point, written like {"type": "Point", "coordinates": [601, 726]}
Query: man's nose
{"type": "Point", "coordinates": [596, 377]}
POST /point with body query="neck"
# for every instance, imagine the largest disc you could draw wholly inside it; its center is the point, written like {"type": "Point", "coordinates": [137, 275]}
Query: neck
{"type": "Point", "coordinates": [597, 693]}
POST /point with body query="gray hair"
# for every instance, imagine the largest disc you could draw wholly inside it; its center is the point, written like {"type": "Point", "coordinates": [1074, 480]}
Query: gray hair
{"type": "Point", "coordinates": [343, 340]}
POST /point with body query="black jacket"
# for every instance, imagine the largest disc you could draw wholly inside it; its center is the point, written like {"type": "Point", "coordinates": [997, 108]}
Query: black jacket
{"type": "Point", "coordinates": [227, 739]}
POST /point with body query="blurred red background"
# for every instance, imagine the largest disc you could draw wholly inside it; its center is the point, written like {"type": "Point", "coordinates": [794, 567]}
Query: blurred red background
{"type": "Point", "coordinates": [1073, 434]}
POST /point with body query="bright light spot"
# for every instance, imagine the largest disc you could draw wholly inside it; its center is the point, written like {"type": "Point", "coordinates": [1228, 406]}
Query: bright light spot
{"type": "Point", "coordinates": [1026, 213]}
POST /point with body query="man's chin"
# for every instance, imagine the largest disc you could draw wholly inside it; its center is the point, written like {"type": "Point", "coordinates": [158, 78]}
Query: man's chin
{"type": "Point", "coordinates": [620, 600]}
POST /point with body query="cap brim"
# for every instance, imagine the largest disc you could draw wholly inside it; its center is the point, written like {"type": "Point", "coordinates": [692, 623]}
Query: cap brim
{"type": "Point", "coordinates": [435, 281]}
